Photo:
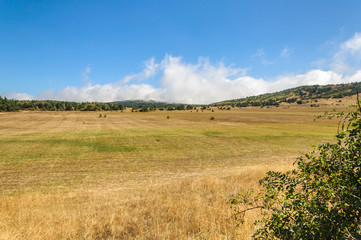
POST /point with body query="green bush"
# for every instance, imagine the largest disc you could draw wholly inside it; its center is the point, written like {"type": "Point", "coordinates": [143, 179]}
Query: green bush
{"type": "Point", "coordinates": [320, 199]}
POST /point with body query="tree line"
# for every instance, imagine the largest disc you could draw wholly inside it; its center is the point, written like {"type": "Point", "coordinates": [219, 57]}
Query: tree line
{"type": "Point", "coordinates": [10, 105]}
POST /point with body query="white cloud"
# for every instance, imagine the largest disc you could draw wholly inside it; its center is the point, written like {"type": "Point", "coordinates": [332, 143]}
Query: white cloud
{"type": "Point", "coordinates": [353, 45]}
{"type": "Point", "coordinates": [202, 82]}
{"type": "Point", "coordinates": [262, 56]}
{"type": "Point", "coordinates": [286, 52]}
{"type": "Point", "coordinates": [205, 82]}
{"type": "Point", "coordinates": [85, 75]}
{"type": "Point", "coordinates": [87, 70]}
{"type": "Point", "coordinates": [348, 58]}
{"type": "Point", "coordinates": [19, 96]}
{"type": "Point", "coordinates": [151, 68]}
{"type": "Point", "coordinates": [103, 93]}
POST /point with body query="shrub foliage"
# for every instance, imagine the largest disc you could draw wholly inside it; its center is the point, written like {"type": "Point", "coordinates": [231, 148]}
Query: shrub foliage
{"type": "Point", "coordinates": [320, 198]}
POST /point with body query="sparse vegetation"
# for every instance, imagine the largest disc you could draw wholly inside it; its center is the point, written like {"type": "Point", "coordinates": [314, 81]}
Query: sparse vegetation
{"type": "Point", "coordinates": [138, 175]}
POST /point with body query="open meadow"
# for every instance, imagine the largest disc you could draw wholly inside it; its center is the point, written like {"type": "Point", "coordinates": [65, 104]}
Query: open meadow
{"type": "Point", "coordinates": [75, 175]}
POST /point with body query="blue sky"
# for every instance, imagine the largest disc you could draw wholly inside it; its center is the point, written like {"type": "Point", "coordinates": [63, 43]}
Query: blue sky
{"type": "Point", "coordinates": [178, 51]}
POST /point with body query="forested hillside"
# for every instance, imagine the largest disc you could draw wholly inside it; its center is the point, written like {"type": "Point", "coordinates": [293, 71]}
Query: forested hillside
{"type": "Point", "coordinates": [296, 95]}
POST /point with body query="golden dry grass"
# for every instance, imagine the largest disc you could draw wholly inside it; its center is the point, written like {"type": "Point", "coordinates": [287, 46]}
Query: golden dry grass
{"type": "Point", "coordinates": [73, 175]}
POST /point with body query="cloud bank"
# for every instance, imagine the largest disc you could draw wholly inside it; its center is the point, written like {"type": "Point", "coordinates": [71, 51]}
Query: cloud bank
{"type": "Point", "coordinates": [204, 82]}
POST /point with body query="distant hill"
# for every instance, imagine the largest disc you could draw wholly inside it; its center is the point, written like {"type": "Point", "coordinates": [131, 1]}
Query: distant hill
{"type": "Point", "coordinates": [298, 95]}
{"type": "Point", "coordinates": [133, 103]}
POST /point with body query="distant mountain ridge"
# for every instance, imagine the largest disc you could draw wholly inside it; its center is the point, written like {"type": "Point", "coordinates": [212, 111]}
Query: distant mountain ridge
{"type": "Point", "coordinates": [297, 94]}
{"type": "Point", "coordinates": [130, 103]}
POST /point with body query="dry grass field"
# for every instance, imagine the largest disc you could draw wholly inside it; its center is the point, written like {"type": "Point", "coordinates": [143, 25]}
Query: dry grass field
{"type": "Point", "coordinates": [73, 175]}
